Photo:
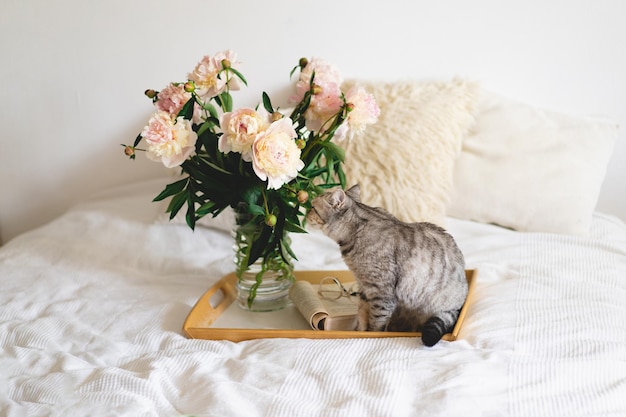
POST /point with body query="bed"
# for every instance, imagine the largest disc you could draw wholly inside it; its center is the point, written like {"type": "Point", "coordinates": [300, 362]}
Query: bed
{"type": "Point", "coordinates": [93, 303]}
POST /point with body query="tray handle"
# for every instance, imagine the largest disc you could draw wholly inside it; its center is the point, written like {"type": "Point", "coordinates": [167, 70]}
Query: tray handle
{"type": "Point", "coordinates": [212, 303]}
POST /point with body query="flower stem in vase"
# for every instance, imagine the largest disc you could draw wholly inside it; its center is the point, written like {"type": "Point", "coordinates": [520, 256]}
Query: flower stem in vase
{"type": "Point", "coordinates": [264, 276]}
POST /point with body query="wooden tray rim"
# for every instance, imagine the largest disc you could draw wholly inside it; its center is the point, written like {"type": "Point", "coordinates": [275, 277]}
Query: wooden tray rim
{"type": "Point", "coordinates": [197, 325]}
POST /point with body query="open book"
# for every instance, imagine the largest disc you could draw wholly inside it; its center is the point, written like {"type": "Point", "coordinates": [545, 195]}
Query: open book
{"type": "Point", "coordinates": [322, 313]}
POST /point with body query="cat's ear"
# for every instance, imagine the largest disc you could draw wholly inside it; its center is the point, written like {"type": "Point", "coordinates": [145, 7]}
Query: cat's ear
{"type": "Point", "coordinates": [337, 198]}
{"type": "Point", "coordinates": [354, 193]}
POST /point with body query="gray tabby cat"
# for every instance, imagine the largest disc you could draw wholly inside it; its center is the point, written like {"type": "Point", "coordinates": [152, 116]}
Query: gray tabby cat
{"type": "Point", "coordinates": [411, 275]}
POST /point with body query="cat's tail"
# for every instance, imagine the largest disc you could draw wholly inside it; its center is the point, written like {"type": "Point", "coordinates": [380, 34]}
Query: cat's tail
{"type": "Point", "coordinates": [438, 325]}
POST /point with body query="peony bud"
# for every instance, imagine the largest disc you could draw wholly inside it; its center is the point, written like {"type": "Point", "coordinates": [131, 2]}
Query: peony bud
{"type": "Point", "coordinates": [349, 107]}
{"type": "Point", "coordinates": [270, 220]}
{"type": "Point", "coordinates": [303, 196]}
{"type": "Point", "coordinates": [276, 116]}
{"type": "Point", "coordinates": [150, 93]}
{"type": "Point", "coordinates": [301, 143]}
{"type": "Point", "coordinates": [189, 86]}
{"type": "Point", "coordinates": [129, 151]}
{"type": "Point", "coordinates": [303, 62]}
{"type": "Point", "coordinates": [225, 63]}
{"type": "Point", "coordinates": [316, 89]}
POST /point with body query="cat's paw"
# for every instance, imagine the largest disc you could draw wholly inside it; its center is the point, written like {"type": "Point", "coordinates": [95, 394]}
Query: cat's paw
{"type": "Point", "coordinates": [361, 326]}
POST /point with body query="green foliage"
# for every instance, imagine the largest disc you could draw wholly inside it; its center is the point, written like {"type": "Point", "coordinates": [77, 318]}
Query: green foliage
{"type": "Point", "coordinates": [213, 181]}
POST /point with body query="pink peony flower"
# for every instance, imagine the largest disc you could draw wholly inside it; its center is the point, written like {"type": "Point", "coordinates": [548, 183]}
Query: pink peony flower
{"type": "Point", "coordinates": [325, 74]}
{"type": "Point", "coordinates": [172, 99]}
{"type": "Point", "coordinates": [323, 106]}
{"type": "Point", "coordinates": [240, 128]}
{"type": "Point", "coordinates": [208, 78]}
{"type": "Point", "coordinates": [275, 155]}
{"type": "Point", "coordinates": [326, 102]}
{"type": "Point", "coordinates": [365, 110]}
{"type": "Point", "coordinates": [170, 141]}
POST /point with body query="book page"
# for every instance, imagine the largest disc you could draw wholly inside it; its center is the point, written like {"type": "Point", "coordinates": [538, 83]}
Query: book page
{"type": "Point", "coordinates": [305, 298]}
{"type": "Point", "coordinates": [342, 312]}
{"type": "Point", "coordinates": [340, 307]}
{"type": "Point", "coordinates": [323, 314]}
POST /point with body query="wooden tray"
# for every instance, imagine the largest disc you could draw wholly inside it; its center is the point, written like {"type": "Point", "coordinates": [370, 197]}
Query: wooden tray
{"type": "Point", "coordinates": [203, 321]}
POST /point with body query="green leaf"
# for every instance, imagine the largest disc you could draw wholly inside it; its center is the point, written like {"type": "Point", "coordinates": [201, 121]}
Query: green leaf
{"type": "Point", "coordinates": [342, 176]}
{"type": "Point", "coordinates": [211, 109]}
{"type": "Point", "coordinates": [285, 251]}
{"type": "Point", "coordinates": [338, 151]}
{"type": "Point", "coordinates": [326, 186]}
{"type": "Point", "coordinates": [216, 167]}
{"type": "Point", "coordinates": [267, 103]}
{"type": "Point", "coordinates": [191, 216]}
{"type": "Point", "coordinates": [253, 289]}
{"type": "Point", "coordinates": [172, 189]}
{"type": "Point", "coordinates": [187, 111]}
{"type": "Point", "coordinates": [293, 227]}
{"type": "Point", "coordinates": [205, 127]}
{"type": "Point", "coordinates": [215, 120]}
{"type": "Point", "coordinates": [310, 172]}
{"type": "Point", "coordinates": [256, 210]}
{"type": "Point", "coordinates": [259, 245]}
{"type": "Point", "coordinates": [239, 75]}
{"type": "Point", "coordinates": [206, 208]}
{"type": "Point", "coordinates": [330, 166]}
{"type": "Point", "coordinates": [251, 196]}
{"type": "Point", "coordinates": [176, 204]}
{"type": "Point", "coordinates": [227, 101]}
{"type": "Point", "coordinates": [137, 140]}
{"type": "Point", "coordinates": [208, 138]}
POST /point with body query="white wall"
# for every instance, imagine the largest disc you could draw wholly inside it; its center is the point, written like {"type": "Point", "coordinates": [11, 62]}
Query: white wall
{"type": "Point", "coordinates": [73, 72]}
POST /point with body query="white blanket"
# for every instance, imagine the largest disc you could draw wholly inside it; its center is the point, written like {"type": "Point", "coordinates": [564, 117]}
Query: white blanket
{"type": "Point", "coordinates": [92, 305]}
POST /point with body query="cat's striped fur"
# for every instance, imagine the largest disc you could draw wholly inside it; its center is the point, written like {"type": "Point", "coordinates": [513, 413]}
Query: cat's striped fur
{"type": "Point", "coordinates": [411, 275]}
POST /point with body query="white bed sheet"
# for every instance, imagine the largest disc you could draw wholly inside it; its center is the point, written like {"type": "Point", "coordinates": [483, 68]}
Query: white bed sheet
{"type": "Point", "coordinates": [92, 306]}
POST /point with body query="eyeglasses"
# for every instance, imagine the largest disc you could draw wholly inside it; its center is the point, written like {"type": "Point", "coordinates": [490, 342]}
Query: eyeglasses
{"type": "Point", "coordinates": [332, 289]}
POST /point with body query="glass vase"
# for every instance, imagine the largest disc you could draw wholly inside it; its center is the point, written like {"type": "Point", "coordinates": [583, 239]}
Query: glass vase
{"type": "Point", "coordinates": [262, 285]}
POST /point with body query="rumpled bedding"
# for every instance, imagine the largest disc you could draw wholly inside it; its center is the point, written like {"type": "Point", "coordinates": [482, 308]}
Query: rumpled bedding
{"type": "Point", "coordinates": [92, 307]}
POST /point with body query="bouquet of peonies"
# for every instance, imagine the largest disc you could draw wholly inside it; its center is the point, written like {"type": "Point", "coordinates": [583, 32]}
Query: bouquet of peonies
{"type": "Point", "coordinates": [265, 163]}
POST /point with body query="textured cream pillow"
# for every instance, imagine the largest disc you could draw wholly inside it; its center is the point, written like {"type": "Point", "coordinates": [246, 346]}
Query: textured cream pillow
{"type": "Point", "coordinates": [405, 162]}
{"type": "Point", "coordinates": [531, 169]}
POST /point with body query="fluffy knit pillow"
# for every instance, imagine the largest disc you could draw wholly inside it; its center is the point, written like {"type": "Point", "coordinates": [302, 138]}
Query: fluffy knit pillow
{"type": "Point", "coordinates": [405, 162]}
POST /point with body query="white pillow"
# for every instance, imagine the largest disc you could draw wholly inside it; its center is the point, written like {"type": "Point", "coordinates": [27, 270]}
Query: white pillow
{"type": "Point", "coordinates": [531, 169]}
{"type": "Point", "coordinates": [404, 163]}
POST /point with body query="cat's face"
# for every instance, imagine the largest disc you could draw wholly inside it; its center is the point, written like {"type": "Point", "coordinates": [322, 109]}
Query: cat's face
{"type": "Point", "coordinates": [330, 204]}
{"type": "Point", "coordinates": [321, 210]}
